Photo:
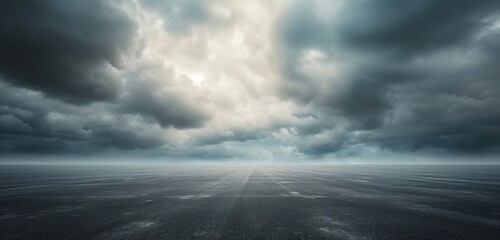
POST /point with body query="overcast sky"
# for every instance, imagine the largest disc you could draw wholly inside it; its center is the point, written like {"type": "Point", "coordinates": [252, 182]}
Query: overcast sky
{"type": "Point", "coordinates": [260, 80]}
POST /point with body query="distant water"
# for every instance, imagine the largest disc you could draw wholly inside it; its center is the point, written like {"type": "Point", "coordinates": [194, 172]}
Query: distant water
{"type": "Point", "coordinates": [236, 202]}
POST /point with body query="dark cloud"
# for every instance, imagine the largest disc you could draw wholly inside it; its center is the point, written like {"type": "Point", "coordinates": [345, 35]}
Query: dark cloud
{"type": "Point", "coordinates": [364, 103]}
{"type": "Point", "coordinates": [409, 77]}
{"type": "Point", "coordinates": [45, 117]}
{"type": "Point", "coordinates": [33, 145]}
{"type": "Point", "coordinates": [386, 26]}
{"type": "Point", "coordinates": [323, 143]}
{"type": "Point", "coordinates": [413, 28]}
{"type": "Point", "coordinates": [359, 76]}
{"type": "Point", "coordinates": [11, 125]}
{"type": "Point", "coordinates": [168, 106]}
{"type": "Point", "coordinates": [56, 55]}
{"type": "Point", "coordinates": [122, 135]}
{"type": "Point", "coordinates": [239, 135]}
{"type": "Point", "coordinates": [31, 123]}
{"type": "Point", "coordinates": [66, 49]}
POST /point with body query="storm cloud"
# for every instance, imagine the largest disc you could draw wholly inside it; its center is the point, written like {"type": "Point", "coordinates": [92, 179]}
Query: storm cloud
{"type": "Point", "coordinates": [68, 50]}
{"type": "Point", "coordinates": [260, 80]}
{"type": "Point", "coordinates": [403, 77]}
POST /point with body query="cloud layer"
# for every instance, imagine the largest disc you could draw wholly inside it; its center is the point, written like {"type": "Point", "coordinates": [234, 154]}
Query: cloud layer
{"type": "Point", "coordinates": [261, 80]}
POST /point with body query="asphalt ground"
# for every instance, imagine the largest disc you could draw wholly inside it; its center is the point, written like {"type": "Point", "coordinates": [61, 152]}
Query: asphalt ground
{"type": "Point", "coordinates": [231, 201]}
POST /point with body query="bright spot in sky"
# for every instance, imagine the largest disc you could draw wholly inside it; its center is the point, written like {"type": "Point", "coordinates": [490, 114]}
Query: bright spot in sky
{"type": "Point", "coordinates": [197, 79]}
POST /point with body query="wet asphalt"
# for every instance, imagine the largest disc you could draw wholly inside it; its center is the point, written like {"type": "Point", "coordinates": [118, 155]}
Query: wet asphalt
{"type": "Point", "coordinates": [224, 201]}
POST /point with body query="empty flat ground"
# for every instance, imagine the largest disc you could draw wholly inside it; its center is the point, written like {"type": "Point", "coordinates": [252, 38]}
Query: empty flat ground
{"type": "Point", "coordinates": [249, 202]}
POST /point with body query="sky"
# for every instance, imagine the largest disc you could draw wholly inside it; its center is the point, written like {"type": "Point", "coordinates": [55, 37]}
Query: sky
{"type": "Point", "coordinates": [263, 80]}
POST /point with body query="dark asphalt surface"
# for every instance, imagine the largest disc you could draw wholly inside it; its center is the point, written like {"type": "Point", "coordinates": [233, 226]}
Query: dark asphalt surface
{"type": "Point", "coordinates": [249, 202]}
